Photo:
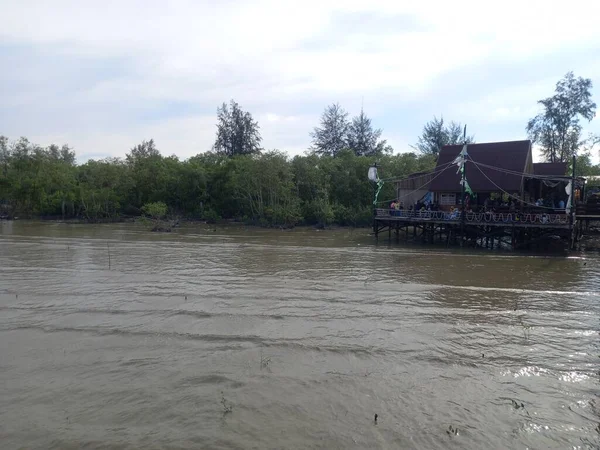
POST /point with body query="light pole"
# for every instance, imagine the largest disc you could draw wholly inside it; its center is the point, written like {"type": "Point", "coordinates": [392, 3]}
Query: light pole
{"type": "Point", "coordinates": [374, 178]}
{"type": "Point", "coordinates": [373, 173]}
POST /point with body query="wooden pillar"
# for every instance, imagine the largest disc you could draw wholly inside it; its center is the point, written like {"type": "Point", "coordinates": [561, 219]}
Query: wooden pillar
{"type": "Point", "coordinates": [397, 232]}
{"type": "Point", "coordinates": [389, 231]}
{"type": "Point", "coordinates": [513, 241]}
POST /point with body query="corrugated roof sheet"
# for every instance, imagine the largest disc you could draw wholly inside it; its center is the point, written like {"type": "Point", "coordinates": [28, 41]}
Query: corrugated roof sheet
{"type": "Point", "coordinates": [513, 156]}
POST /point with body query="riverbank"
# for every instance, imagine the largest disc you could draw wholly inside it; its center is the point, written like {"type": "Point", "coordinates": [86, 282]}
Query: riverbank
{"type": "Point", "coordinates": [208, 226]}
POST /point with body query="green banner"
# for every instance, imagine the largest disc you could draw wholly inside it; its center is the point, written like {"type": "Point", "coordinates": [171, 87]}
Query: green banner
{"type": "Point", "coordinates": [379, 186]}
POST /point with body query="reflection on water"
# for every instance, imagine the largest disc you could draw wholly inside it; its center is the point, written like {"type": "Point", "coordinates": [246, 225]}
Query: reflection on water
{"type": "Point", "coordinates": [303, 334]}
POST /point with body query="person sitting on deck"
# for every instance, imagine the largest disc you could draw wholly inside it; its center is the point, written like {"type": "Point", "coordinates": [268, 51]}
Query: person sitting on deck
{"type": "Point", "coordinates": [393, 204]}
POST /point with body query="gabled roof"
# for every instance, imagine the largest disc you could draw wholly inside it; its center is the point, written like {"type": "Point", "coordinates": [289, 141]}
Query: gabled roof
{"type": "Point", "coordinates": [513, 156]}
{"type": "Point", "coordinates": [550, 169]}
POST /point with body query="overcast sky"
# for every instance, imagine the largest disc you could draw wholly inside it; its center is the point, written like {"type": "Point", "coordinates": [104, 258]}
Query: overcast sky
{"type": "Point", "coordinates": [104, 78]}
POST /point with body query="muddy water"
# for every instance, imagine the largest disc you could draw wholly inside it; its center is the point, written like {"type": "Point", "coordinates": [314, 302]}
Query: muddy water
{"type": "Point", "coordinates": [114, 337]}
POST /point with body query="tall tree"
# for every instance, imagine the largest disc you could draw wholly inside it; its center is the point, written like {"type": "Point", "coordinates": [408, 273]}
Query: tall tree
{"type": "Point", "coordinates": [331, 137]}
{"type": "Point", "coordinates": [363, 139]}
{"type": "Point", "coordinates": [557, 128]}
{"type": "Point", "coordinates": [436, 134]}
{"type": "Point", "coordinates": [147, 171]}
{"type": "Point", "coordinates": [237, 132]}
{"type": "Point", "coordinates": [147, 149]}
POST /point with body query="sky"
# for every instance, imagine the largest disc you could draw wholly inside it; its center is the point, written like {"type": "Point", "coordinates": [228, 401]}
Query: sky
{"type": "Point", "coordinates": [103, 76]}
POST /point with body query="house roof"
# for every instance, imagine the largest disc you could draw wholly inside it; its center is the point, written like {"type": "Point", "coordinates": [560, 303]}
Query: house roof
{"type": "Point", "coordinates": [550, 169]}
{"type": "Point", "coordinates": [417, 180]}
{"type": "Point", "coordinates": [513, 156]}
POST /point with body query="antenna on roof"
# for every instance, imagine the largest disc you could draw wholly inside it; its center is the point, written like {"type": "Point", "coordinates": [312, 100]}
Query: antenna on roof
{"type": "Point", "coordinates": [465, 134]}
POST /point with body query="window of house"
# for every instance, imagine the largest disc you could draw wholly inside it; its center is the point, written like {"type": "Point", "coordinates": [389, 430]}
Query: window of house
{"type": "Point", "coordinates": [447, 199]}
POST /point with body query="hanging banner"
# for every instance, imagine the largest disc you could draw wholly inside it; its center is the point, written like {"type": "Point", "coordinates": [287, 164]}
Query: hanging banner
{"type": "Point", "coordinates": [379, 186]}
{"type": "Point", "coordinates": [460, 159]}
{"type": "Point", "coordinates": [569, 192]}
{"type": "Point", "coordinates": [468, 189]}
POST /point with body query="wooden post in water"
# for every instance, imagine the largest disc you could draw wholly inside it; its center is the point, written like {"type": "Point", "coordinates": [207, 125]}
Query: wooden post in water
{"type": "Point", "coordinates": [375, 228]}
{"type": "Point", "coordinates": [513, 241]}
{"type": "Point", "coordinates": [108, 249]}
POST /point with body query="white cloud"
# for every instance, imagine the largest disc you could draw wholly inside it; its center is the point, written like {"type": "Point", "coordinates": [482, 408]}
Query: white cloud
{"type": "Point", "coordinates": [283, 61]}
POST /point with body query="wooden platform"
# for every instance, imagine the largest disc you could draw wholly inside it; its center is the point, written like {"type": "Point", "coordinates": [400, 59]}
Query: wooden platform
{"type": "Point", "coordinates": [489, 230]}
{"type": "Point", "coordinates": [519, 220]}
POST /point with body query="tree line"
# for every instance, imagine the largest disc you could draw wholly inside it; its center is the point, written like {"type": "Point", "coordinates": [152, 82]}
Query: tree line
{"type": "Point", "coordinates": [258, 187]}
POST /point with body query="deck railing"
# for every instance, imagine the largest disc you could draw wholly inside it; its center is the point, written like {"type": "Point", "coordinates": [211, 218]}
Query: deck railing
{"type": "Point", "coordinates": [480, 218]}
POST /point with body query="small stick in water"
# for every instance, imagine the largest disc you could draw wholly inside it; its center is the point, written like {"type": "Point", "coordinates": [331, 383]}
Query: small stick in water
{"type": "Point", "coordinates": [375, 418]}
{"type": "Point", "coordinates": [108, 249]}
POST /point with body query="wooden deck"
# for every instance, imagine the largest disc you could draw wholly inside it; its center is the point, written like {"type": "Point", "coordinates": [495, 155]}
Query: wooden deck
{"type": "Point", "coordinates": [516, 230]}
{"type": "Point", "coordinates": [511, 219]}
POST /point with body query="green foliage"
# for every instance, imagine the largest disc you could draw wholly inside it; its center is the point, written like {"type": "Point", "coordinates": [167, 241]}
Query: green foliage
{"type": "Point", "coordinates": [237, 132]}
{"type": "Point", "coordinates": [336, 134]}
{"type": "Point", "coordinates": [435, 135]}
{"type": "Point", "coordinates": [156, 210]}
{"type": "Point", "coordinates": [266, 189]}
{"type": "Point", "coordinates": [331, 137]}
{"type": "Point", "coordinates": [263, 188]}
{"type": "Point", "coordinates": [363, 139]}
{"type": "Point", "coordinates": [584, 166]}
{"type": "Point", "coordinates": [557, 128]}
{"type": "Point", "coordinates": [211, 216]}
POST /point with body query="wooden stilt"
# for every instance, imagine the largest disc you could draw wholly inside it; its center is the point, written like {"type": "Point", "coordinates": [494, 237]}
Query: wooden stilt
{"type": "Point", "coordinates": [513, 241]}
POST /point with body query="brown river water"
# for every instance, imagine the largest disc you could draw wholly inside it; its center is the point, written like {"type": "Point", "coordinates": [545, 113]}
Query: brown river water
{"type": "Point", "coordinates": [113, 337]}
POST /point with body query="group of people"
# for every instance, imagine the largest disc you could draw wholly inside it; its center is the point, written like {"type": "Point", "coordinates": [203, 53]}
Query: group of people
{"type": "Point", "coordinates": [489, 205]}
{"type": "Point", "coordinates": [418, 206]}
{"type": "Point", "coordinates": [550, 203]}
